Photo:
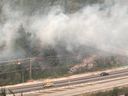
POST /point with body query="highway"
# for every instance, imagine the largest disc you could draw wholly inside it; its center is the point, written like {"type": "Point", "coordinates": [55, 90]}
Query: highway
{"type": "Point", "coordinates": [84, 88]}
{"type": "Point", "coordinates": [70, 81]}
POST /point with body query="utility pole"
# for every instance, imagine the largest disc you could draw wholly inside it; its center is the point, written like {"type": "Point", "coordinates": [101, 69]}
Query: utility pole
{"type": "Point", "coordinates": [30, 69]}
{"type": "Point", "coordinates": [22, 72]}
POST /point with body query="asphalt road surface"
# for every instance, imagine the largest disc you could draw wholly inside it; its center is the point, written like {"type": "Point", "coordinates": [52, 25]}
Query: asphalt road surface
{"type": "Point", "coordinates": [67, 82]}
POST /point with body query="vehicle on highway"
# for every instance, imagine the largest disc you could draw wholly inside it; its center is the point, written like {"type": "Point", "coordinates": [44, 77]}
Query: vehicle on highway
{"type": "Point", "coordinates": [47, 84]}
{"type": "Point", "coordinates": [104, 74]}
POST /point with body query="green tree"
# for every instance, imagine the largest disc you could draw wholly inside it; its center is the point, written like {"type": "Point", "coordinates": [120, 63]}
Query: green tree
{"type": "Point", "coordinates": [115, 92]}
{"type": "Point", "coordinates": [25, 42]}
{"type": "Point", "coordinates": [51, 56]}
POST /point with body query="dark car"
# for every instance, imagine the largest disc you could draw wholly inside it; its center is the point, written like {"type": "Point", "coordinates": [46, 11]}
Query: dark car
{"type": "Point", "coordinates": [104, 74]}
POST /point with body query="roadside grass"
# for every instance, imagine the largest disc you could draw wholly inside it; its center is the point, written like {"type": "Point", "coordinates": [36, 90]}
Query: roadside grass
{"type": "Point", "coordinates": [113, 92]}
{"type": "Point", "coordinates": [5, 92]}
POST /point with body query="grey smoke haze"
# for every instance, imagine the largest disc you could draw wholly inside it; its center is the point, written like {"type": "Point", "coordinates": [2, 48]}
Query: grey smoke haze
{"type": "Point", "coordinates": [103, 26]}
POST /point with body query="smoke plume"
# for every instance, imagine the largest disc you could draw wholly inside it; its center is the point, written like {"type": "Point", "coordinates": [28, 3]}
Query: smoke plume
{"type": "Point", "coordinates": [101, 25]}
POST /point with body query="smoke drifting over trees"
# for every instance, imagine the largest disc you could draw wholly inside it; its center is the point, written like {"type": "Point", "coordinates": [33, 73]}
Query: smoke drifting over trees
{"type": "Point", "coordinates": [29, 26]}
{"type": "Point", "coordinates": [61, 37]}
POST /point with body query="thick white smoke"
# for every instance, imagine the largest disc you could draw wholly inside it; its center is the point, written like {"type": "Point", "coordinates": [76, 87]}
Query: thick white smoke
{"type": "Point", "coordinates": [103, 26]}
